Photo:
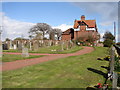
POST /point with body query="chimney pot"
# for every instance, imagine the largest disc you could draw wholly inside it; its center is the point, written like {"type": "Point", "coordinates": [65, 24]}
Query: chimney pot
{"type": "Point", "coordinates": [82, 17]}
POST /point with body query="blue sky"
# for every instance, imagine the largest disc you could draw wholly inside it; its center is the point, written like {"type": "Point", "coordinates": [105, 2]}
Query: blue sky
{"type": "Point", "coordinates": [52, 13]}
{"type": "Point", "coordinates": [57, 14]}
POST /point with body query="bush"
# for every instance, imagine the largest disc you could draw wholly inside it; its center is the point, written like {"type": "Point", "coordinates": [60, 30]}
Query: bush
{"type": "Point", "coordinates": [118, 80]}
{"type": "Point", "coordinates": [117, 64]}
{"type": "Point", "coordinates": [108, 43]}
{"type": "Point", "coordinates": [118, 43]}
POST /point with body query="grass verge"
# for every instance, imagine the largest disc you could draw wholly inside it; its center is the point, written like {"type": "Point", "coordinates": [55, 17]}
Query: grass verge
{"type": "Point", "coordinates": [72, 72]}
{"type": "Point", "coordinates": [51, 50]}
{"type": "Point", "coordinates": [11, 57]}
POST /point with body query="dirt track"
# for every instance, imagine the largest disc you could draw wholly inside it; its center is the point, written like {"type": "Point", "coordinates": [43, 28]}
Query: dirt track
{"type": "Point", "coordinates": [22, 63]}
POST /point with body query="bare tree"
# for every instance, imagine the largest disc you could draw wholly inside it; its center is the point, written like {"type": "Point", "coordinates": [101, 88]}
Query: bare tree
{"type": "Point", "coordinates": [58, 32]}
{"type": "Point", "coordinates": [30, 36]}
{"type": "Point", "coordinates": [52, 34]}
{"type": "Point", "coordinates": [39, 36]}
{"type": "Point", "coordinates": [43, 28]}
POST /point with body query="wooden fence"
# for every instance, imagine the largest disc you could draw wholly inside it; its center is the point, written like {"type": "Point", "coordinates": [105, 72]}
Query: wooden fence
{"type": "Point", "coordinates": [113, 75]}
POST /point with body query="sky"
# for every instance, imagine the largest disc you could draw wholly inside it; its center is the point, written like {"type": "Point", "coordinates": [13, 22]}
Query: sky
{"type": "Point", "coordinates": [19, 17]}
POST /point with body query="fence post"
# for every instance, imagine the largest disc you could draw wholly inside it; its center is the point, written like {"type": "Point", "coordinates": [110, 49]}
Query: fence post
{"type": "Point", "coordinates": [112, 60]}
{"type": "Point", "coordinates": [114, 81]}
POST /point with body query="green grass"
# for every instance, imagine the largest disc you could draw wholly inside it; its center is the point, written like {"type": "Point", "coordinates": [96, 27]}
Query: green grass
{"type": "Point", "coordinates": [12, 50]}
{"type": "Point", "coordinates": [70, 72]}
{"type": "Point", "coordinates": [10, 57]}
{"type": "Point", "coordinates": [49, 50]}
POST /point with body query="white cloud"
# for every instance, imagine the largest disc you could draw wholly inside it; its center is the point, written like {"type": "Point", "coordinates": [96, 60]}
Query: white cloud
{"type": "Point", "coordinates": [14, 28]}
{"type": "Point", "coordinates": [107, 23]}
{"type": "Point", "coordinates": [63, 27]}
{"type": "Point", "coordinates": [107, 10]}
{"type": "Point", "coordinates": [1, 15]}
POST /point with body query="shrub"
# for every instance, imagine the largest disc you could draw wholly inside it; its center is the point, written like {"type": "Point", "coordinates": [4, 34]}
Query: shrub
{"type": "Point", "coordinates": [108, 43]}
{"type": "Point", "coordinates": [118, 43]}
{"type": "Point", "coordinates": [117, 64]}
{"type": "Point", "coordinates": [108, 39]}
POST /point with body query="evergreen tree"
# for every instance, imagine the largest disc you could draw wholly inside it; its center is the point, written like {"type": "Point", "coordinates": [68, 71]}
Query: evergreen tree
{"type": "Point", "coordinates": [108, 39]}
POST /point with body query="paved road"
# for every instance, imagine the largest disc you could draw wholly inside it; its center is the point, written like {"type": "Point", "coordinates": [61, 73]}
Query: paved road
{"type": "Point", "coordinates": [22, 63]}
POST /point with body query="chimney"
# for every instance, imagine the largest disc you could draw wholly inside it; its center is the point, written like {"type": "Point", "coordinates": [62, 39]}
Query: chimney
{"type": "Point", "coordinates": [82, 17]}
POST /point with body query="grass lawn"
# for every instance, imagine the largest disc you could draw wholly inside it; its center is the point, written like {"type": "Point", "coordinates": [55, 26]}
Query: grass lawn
{"type": "Point", "coordinates": [12, 50]}
{"type": "Point", "coordinates": [49, 50]}
{"type": "Point", "coordinates": [72, 72]}
{"type": "Point", "coordinates": [10, 57]}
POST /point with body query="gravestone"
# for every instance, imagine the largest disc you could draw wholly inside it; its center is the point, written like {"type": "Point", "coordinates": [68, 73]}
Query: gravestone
{"type": "Point", "coordinates": [20, 46]}
{"type": "Point", "coordinates": [25, 52]}
{"type": "Point", "coordinates": [15, 47]}
{"type": "Point", "coordinates": [62, 45]}
{"type": "Point", "coordinates": [0, 51]}
{"type": "Point", "coordinates": [11, 45]}
{"type": "Point", "coordinates": [67, 47]}
{"type": "Point", "coordinates": [41, 43]}
{"type": "Point", "coordinates": [56, 43]}
{"type": "Point", "coordinates": [5, 46]}
{"type": "Point", "coordinates": [50, 43]}
{"type": "Point", "coordinates": [71, 44]}
{"type": "Point", "coordinates": [30, 46]}
{"type": "Point", "coordinates": [35, 46]}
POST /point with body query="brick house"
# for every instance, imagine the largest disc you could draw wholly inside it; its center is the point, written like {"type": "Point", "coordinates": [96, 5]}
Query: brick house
{"type": "Point", "coordinates": [82, 29]}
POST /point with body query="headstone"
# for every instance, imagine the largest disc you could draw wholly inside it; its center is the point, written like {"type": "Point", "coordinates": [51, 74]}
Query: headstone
{"type": "Point", "coordinates": [50, 43]}
{"type": "Point", "coordinates": [70, 44]}
{"type": "Point", "coordinates": [20, 46]}
{"type": "Point", "coordinates": [56, 43]}
{"type": "Point", "coordinates": [42, 43]}
{"type": "Point", "coordinates": [35, 46]}
{"type": "Point", "coordinates": [11, 45]}
{"type": "Point", "coordinates": [62, 45]}
{"type": "Point", "coordinates": [67, 45]}
{"type": "Point", "coordinates": [8, 44]}
{"type": "Point", "coordinates": [5, 46]}
{"type": "Point", "coordinates": [30, 46]}
{"type": "Point", "coordinates": [25, 52]}
{"type": "Point", "coordinates": [15, 47]}
{"type": "Point", "coordinates": [0, 51]}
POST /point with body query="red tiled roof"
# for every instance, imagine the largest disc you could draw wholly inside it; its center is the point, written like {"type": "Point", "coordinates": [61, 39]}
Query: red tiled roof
{"type": "Point", "coordinates": [90, 23]}
{"type": "Point", "coordinates": [66, 32]}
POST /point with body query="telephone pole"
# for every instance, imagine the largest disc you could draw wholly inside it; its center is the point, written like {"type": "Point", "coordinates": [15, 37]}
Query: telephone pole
{"type": "Point", "coordinates": [115, 31]}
